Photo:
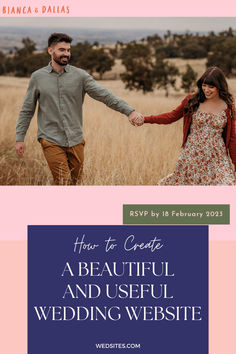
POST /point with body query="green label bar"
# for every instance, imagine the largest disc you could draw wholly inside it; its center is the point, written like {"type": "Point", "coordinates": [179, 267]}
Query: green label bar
{"type": "Point", "coordinates": [167, 214]}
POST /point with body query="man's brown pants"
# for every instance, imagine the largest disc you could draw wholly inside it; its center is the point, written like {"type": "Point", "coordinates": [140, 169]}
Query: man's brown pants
{"type": "Point", "coordinates": [65, 163]}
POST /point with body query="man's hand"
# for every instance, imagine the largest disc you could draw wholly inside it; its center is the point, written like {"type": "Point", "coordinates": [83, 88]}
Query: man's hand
{"type": "Point", "coordinates": [136, 118]}
{"type": "Point", "coordinates": [20, 148]}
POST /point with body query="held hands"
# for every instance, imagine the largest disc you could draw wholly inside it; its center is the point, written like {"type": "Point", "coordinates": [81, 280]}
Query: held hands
{"type": "Point", "coordinates": [20, 148]}
{"type": "Point", "coordinates": [136, 118]}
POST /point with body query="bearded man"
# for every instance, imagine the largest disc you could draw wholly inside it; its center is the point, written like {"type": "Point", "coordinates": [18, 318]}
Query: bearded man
{"type": "Point", "coordinates": [59, 89]}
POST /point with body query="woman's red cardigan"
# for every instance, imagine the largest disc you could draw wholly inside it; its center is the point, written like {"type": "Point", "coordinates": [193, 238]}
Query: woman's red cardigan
{"type": "Point", "coordinates": [229, 132]}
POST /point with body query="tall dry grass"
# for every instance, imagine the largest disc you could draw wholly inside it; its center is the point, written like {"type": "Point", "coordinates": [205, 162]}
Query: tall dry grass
{"type": "Point", "coordinates": [116, 153]}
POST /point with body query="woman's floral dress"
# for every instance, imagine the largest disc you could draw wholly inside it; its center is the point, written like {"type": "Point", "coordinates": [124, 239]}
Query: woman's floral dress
{"type": "Point", "coordinates": [203, 159]}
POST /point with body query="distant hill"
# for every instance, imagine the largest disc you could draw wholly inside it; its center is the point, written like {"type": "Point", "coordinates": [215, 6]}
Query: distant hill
{"type": "Point", "coordinates": [11, 37]}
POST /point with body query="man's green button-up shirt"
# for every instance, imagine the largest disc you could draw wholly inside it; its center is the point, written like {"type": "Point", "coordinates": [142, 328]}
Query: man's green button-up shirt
{"type": "Point", "coordinates": [60, 99]}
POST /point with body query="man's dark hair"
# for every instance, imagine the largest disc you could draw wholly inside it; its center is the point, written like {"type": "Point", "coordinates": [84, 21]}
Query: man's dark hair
{"type": "Point", "coordinates": [58, 37]}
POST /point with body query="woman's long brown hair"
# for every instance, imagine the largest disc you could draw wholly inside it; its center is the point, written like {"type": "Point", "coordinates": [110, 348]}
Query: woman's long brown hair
{"type": "Point", "coordinates": [213, 76]}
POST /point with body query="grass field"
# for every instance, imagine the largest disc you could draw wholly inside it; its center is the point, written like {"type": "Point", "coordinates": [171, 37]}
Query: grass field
{"type": "Point", "coordinates": [116, 153]}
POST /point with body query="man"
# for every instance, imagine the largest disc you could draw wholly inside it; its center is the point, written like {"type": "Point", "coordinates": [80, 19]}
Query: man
{"type": "Point", "coordinates": [59, 89]}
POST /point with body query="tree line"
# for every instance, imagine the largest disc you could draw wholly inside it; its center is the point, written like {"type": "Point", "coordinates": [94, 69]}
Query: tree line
{"type": "Point", "coordinates": [147, 65]}
{"type": "Point", "coordinates": [21, 62]}
{"type": "Point", "coordinates": [146, 61]}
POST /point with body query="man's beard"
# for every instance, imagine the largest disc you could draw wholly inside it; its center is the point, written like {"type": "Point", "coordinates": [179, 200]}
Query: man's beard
{"type": "Point", "coordinates": [62, 60]}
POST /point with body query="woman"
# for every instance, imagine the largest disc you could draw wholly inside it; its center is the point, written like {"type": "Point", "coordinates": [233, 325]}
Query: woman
{"type": "Point", "coordinates": [208, 134]}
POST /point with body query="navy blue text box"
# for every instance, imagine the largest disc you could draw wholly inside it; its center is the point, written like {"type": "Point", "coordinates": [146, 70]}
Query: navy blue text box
{"type": "Point", "coordinates": [140, 289]}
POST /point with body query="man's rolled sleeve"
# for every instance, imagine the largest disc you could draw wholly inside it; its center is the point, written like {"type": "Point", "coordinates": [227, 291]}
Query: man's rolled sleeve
{"type": "Point", "coordinates": [27, 110]}
{"type": "Point", "coordinates": [100, 93]}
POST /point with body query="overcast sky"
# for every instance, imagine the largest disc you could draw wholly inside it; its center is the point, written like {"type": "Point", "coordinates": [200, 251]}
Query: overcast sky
{"type": "Point", "coordinates": [159, 23]}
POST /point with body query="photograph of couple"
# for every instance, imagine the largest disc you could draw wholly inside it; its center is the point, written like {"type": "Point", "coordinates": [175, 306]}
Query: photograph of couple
{"type": "Point", "coordinates": [203, 139]}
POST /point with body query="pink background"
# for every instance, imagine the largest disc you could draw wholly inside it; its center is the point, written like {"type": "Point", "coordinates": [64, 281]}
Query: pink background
{"type": "Point", "coordinates": [152, 8]}
{"type": "Point", "coordinates": [103, 205]}
{"type": "Point", "coordinates": [100, 205]}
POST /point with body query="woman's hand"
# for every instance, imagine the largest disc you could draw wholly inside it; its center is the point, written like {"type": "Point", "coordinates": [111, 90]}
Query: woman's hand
{"type": "Point", "coordinates": [136, 118]}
